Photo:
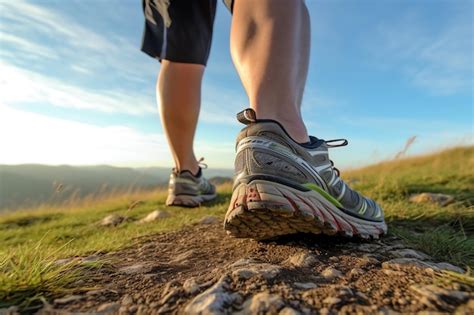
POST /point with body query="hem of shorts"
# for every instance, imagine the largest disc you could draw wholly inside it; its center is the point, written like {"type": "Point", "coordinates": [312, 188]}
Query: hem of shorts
{"type": "Point", "coordinates": [172, 59]}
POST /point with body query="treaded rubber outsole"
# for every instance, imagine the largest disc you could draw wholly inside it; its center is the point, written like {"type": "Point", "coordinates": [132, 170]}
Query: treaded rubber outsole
{"type": "Point", "coordinates": [263, 210]}
{"type": "Point", "coordinates": [188, 200]}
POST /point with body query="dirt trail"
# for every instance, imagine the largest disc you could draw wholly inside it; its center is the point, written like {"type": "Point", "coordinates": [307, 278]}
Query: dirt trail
{"type": "Point", "coordinates": [201, 270]}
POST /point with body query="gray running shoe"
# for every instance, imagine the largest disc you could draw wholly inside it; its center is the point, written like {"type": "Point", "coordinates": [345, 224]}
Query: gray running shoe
{"type": "Point", "coordinates": [187, 190]}
{"type": "Point", "coordinates": [283, 187]}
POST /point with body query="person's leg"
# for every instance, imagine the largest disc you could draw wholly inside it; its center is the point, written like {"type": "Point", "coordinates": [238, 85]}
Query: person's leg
{"type": "Point", "coordinates": [179, 92]}
{"type": "Point", "coordinates": [270, 42]}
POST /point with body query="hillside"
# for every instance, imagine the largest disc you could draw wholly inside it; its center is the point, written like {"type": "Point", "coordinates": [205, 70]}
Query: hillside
{"type": "Point", "coordinates": [30, 185]}
{"type": "Point", "coordinates": [62, 258]}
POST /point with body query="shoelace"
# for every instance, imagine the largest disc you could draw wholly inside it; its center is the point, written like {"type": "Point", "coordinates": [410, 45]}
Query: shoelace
{"type": "Point", "coordinates": [201, 164]}
{"type": "Point", "coordinates": [329, 144]}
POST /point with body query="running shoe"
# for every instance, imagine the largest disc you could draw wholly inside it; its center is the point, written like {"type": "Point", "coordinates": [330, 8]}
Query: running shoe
{"type": "Point", "coordinates": [284, 187]}
{"type": "Point", "coordinates": [188, 190]}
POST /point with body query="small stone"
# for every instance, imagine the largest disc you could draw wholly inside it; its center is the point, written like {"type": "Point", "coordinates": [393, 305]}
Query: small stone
{"type": "Point", "coordinates": [134, 269]}
{"type": "Point", "coordinates": [410, 253]}
{"type": "Point", "coordinates": [112, 220]}
{"type": "Point", "coordinates": [288, 311]}
{"type": "Point", "coordinates": [12, 310]}
{"type": "Point", "coordinates": [331, 273]}
{"type": "Point", "coordinates": [184, 257]}
{"type": "Point", "coordinates": [302, 260]}
{"type": "Point", "coordinates": [331, 300]}
{"type": "Point", "coordinates": [439, 199]}
{"type": "Point", "coordinates": [108, 307]}
{"type": "Point", "coordinates": [449, 267]}
{"type": "Point", "coordinates": [368, 248]}
{"type": "Point", "coordinates": [393, 273]}
{"type": "Point", "coordinates": [444, 299]}
{"type": "Point", "coordinates": [356, 272]}
{"type": "Point", "coordinates": [247, 268]}
{"type": "Point", "coordinates": [209, 219]}
{"type": "Point", "coordinates": [324, 311]}
{"type": "Point", "coordinates": [155, 216]}
{"type": "Point", "coordinates": [214, 300]}
{"type": "Point", "coordinates": [262, 303]}
{"type": "Point", "coordinates": [127, 300]}
{"type": "Point", "coordinates": [401, 263]}
{"type": "Point", "coordinates": [90, 259]}
{"type": "Point", "coordinates": [190, 286]}
{"type": "Point", "coordinates": [68, 299]}
{"type": "Point", "coordinates": [305, 285]}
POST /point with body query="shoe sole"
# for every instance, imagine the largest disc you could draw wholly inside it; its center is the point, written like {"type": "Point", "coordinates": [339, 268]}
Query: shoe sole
{"type": "Point", "coordinates": [188, 200]}
{"type": "Point", "coordinates": [262, 210]}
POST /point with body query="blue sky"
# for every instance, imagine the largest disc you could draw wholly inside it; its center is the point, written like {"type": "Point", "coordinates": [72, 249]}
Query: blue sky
{"type": "Point", "coordinates": [75, 88]}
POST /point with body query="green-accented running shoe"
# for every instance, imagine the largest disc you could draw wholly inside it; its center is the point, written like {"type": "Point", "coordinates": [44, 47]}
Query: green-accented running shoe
{"type": "Point", "coordinates": [188, 190]}
{"type": "Point", "coordinates": [284, 187]}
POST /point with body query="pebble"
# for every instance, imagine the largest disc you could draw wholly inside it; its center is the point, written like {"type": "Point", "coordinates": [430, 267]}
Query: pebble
{"type": "Point", "coordinates": [288, 311]}
{"type": "Point", "coordinates": [247, 268]}
{"type": "Point", "coordinates": [401, 263]}
{"type": "Point", "coordinates": [108, 307]}
{"type": "Point", "coordinates": [213, 300]}
{"type": "Point", "coordinates": [155, 216]}
{"type": "Point", "coordinates": [262, 303]}
{"type": "Point", "coordinates": [190, 286]}
{"type": "Point", "coordinates": [434, 296]}
{"type": "Point", "coordinates": [127, 300]}
{"type": "Point", "coordinates": [68, 299]}
{"type": "Point", "coordinates": [410, 253]}
{"type": "Point", "coordinates": [112, 220]}
{"type": "Point", "coordinates": [305, 285]}
{"type": "Point", "coordinates": [449, 267]}
{"type": "Point", "coordinates": [302, 260]}
{"type": "Point", "coordinates": [356, 272]}
{"type": "Point", "coordinates": [331, 300]}
{"type": "Point", "coordinates": [134, 269]}
{"type": "Point", "coordinates": [439, 199]}
{"type": "Point", "coordinates": [331, 273]}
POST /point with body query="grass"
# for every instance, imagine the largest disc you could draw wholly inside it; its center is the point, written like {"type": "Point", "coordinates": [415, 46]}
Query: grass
{"type": "Point", "coordinates": [32, 240]}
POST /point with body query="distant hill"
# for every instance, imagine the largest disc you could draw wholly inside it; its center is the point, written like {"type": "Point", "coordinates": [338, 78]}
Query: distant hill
{"type": "Point", "coordinates": [32, 184]}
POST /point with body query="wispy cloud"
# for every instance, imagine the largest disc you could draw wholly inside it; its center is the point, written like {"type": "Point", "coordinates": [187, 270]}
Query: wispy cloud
{"type": "Point", "coordinates": [438, 59]}
{"type": "Point", "coordinates": [27, 87]}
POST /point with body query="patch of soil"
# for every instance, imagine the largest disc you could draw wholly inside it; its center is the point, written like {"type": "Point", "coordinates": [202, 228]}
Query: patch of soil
{"type": "Point", "coordinates": [201, 270]}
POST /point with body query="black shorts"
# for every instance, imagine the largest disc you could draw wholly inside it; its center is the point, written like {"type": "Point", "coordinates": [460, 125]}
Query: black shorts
{"type": "Point", "coordinates": [179, 30]}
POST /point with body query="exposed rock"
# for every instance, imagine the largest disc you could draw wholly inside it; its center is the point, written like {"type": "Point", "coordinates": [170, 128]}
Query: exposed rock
{"type": "Point", "coordinates": [214, 300]}
{"type": "Point", "coordinates": [262, 303]}
{"type": "Point", "coordinates": [410, 253]}
{"type": "Point", "coordinates": [368, 248]}
{"type": "Point", "coordinates": [305, 285]}
{"type": "Point", "coordinates": [304, 260]}
{"type": "Point", "coordinates": [108, 308]}
{"type": "Point", "coordinates": [68, 299]}
{"type": "Point", "coordinates": [440, 199]}
{"type": "Point", "coordinates": [133, 269]}
{"type": "Point", "coordinates": [434, 296]}
{"type": "Point", "coordinates": [449, 267]}
{"type": "Point", "coordinates": [402, 263]}
{"type": "Point", "coordinates": [331, 300]}
{"type": "Point", "coordinates": [155, 216]}
{"type": "Point", "coordinates": [209, 219]}
{"type": "Point", "coordinates": [112, 220]}
{"type": "Point", "coordinates": [190, 286]}
{"type": "Point", "coordinates": [127, 300]}
{"type": "Point", "coordinates": [89, 259]}
{"type": "Point", "coordinates": [356, 272]}
{"type": "Point", "coordinates": [288, 311]}
{"type": "Point", "coordinates": [247, 268]}
{"type": "Point", "coordinates": [331, 273]}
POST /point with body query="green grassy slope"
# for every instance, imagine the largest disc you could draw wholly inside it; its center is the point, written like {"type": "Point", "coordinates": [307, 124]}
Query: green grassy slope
{"type": "Point", "coordinates": [32, 239]}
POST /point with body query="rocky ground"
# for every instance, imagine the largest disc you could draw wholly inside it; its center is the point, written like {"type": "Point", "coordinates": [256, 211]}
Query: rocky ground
{"type": "Point", "coordinates": [201, 270]}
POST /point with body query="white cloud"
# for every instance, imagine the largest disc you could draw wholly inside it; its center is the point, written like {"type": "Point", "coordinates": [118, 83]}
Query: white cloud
{"type": "Point", "coordinates": [34, 138]}
{"type": "Point", "coordinates": [18, 85]}
{"type": "Point", "coordinates": [439, 58]}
